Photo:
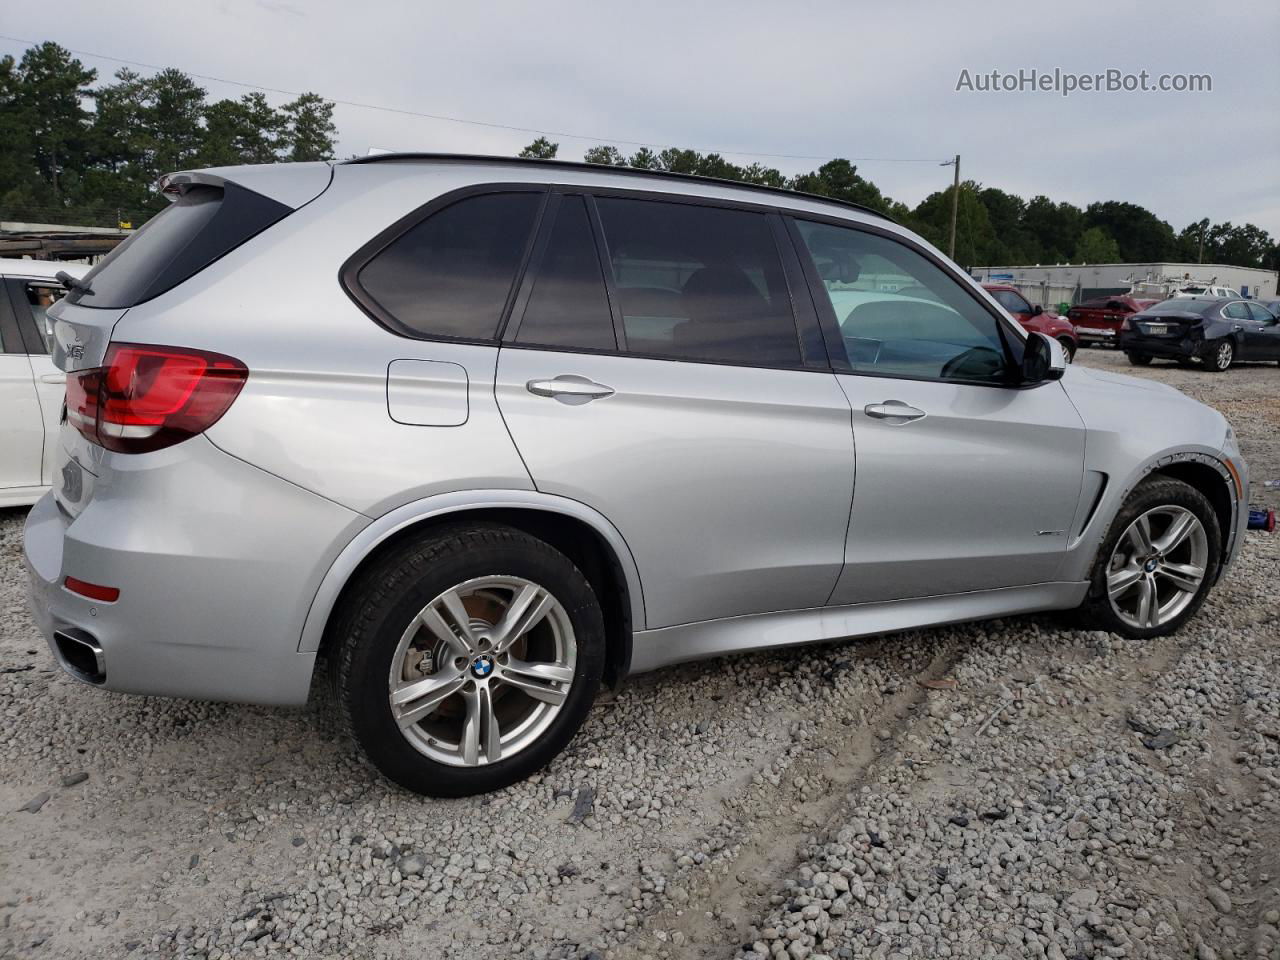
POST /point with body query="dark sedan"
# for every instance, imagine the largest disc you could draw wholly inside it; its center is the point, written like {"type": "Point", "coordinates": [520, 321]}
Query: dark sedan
{"type": "Point", "coordinates": [1217, 332]}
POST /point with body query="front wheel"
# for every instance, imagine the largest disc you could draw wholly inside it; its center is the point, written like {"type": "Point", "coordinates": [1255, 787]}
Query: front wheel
{"type": "Point", "coordinates": [1156, 565]}
{"type": "Point", "coordinates": [1220, 355]}
{"type": "Point", "coordinates": [467, 660]}
{"type": "Point", "coordinates": [1069, 348]}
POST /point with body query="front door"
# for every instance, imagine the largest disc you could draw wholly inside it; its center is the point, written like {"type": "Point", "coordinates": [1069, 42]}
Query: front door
{"type": "Point", "coordinates": [964, 482]}
{"type": "Point", "coordinates": [1261, 334]}
{"type": "Point", "coordinates": [685, 414]}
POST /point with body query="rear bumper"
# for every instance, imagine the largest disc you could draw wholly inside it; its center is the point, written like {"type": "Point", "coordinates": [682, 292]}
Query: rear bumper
{"type": "Point", "coordinates": [1185, 348]}
{"type": "Point", "coordinates": [214, 584]}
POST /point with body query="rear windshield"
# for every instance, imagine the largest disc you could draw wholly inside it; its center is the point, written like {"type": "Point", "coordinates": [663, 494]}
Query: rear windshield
{"type": "Point", "coordinates": [202, 225]}
{"type": "Point", "coordinates": [1182, 305]}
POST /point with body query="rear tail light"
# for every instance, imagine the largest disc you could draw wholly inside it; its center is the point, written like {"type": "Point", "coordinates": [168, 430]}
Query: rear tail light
{"type": "Point", "coordinates": [148, 397]}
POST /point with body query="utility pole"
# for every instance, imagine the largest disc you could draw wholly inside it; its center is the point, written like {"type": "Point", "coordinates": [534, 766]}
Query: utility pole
{"type": "Point", "coordinates": [955, 204]}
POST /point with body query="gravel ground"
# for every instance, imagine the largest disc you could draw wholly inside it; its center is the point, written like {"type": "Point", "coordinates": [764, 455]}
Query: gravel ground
{"type": "Point", "coordinates": [1010, 789]}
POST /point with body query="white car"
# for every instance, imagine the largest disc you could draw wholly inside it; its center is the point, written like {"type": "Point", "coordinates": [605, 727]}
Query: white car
{"type": "Point", "coordinates": [1210, 290]}
{"type": "Point", "coordinates": [31, 387]}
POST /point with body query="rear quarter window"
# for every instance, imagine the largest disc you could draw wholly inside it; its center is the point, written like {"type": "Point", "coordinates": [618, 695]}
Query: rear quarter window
{"type": "Point", "coordinates": [201, 226]}
{"type": "Point", "coordinates": [449, 276]}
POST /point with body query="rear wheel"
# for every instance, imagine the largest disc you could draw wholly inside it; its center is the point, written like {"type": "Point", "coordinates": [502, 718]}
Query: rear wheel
{"type": "Point", "coordinates": [467, 660]}
{"type": "Point", "coordinates": [1160, 557]}
{"type": "Point", "coordinates": [1219, 355]}
{"type": "Point", "coordinates": [1139, 359]}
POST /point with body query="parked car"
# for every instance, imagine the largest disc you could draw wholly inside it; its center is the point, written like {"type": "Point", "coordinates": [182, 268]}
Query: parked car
{"type": "Point", "coordinates": [1035, 317]}
{"type": "Point", "coordinates": [1098, 320]}
{"type": "Point", "coordinates": [1212, 290]}
{"type": "Point", "coordinates": [31, 387]}
{"type": "Point", "coordinates": [1218, 332]}
{"type": "Point", "coordinates": [484, 434]}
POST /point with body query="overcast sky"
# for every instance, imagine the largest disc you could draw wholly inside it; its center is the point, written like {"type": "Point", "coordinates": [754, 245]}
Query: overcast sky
{"type": "Point", "coordinates": [745, 78]}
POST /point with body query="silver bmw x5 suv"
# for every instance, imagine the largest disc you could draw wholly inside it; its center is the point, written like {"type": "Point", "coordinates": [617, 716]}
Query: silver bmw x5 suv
{"type": "Point", "coordinates": [484, 434]}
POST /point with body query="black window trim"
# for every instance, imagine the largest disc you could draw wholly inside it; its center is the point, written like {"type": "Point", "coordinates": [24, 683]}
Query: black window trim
{"type": "Point", "coordinates": [10, 335]}
{"type": "Point", "coordinates": [827, 316]}
{"type": "Point", "coordinates": [30, 338]}
{"type": "Point", "coordinates": [517, 298]}
{"type": "Point", "coordinates": [349, 272]}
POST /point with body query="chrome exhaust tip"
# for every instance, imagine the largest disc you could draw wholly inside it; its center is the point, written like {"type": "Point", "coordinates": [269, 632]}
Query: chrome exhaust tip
{"type": "Point", "coordinates": [81, 656]}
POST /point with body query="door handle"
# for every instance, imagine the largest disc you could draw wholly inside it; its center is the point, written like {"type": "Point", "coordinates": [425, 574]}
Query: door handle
{"type": "Point", "coordinates": [893, 410]}
{"type": "Point", "coordinates": [53, 378]}
{"type": "Point", "coordinates": [569, 389]}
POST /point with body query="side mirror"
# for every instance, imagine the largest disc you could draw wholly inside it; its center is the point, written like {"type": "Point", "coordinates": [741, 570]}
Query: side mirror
{"type": "Point", "coordinates": [1037, 310]}
{"type": "Point", "coordinates": [1043, 359]}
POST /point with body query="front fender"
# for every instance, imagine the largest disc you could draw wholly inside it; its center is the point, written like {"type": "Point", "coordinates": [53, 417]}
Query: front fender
{"type": "Point", "coordinates": [368, 539]}
{"type": "Point", "coordinates": [1084, 549]}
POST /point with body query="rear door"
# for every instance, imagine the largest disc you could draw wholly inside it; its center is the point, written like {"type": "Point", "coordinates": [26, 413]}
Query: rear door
{"type": "Point", "coordinates": [21, 429]}
{"type": "Point", "coordinates": [654, 370]}
{"type": "Point", "coordinates": [964, 482]}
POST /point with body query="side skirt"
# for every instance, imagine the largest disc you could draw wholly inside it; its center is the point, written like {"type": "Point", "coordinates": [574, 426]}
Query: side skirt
{"type": "Point", "coordinates": [652, 649]}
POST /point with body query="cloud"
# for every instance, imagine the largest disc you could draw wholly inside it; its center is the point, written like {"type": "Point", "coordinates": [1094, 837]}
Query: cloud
{"type": "Point", "coordinates": [821, 78]}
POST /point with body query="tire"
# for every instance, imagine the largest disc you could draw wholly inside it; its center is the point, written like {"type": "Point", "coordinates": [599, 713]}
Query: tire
{"type": "Point", "coordinates": [1139, 359]}
{"type": "Point", "coordinates": [1219, 355]}
{"type": "Point", "coordinates": [1069, 348]}
{"type": "Point", "coordinates": [490, 565]}
{"type": "Point", "coordinates": [1155, 498]}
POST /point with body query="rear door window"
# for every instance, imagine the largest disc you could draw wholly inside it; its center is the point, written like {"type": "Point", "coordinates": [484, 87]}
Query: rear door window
{"type": "Point", "coordinates": [450, 275]}
{"type": "Point", "coordinates": [698, 282]}
{"type": "Point", "coordinates": [202, 225]}
{"type": "Point", "coordinates": [1236, 311]}
{"type": "Point", "coordinates": [568, 305]}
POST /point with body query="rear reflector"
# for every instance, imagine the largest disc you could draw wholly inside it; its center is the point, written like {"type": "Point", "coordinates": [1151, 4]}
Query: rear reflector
{"type": "Point", "coordinates": [92, 590]}
{"type": "Point", "coordinates": [147, 397]}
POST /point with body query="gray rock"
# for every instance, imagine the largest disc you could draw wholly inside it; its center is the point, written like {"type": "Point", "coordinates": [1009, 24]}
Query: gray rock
{"type": "Point", "coordinates": [35, 803]}
{"type": "Point", "coordinates": [412, 865]}
{"type": "Point", "coordinates": [583, 805]}
{"type": "Point", "coordinates": [72, 779]}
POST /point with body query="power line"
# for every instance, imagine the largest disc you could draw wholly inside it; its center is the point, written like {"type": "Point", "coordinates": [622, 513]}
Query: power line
{"type": "Point", "coordinates": [477, 123]}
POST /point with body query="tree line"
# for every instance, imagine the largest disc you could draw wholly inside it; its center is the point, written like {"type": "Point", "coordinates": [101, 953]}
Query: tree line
{"type": "Point", "coordinates": [993, 227]}
{"type": "Point", "coordinates": [62, 162]}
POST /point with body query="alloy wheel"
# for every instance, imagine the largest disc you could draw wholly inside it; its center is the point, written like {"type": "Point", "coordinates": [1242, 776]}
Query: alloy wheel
{"type": "Point", "coordinates": [482, 671]}
{"type": "Point", "coordinates": [1226, 353]}
{"type": "Point", "coordinates": [1157, 567]}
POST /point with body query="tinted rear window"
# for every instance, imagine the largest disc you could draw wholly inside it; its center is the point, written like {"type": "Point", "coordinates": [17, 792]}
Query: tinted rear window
{"type": "Point", "coordinates": [699, 283]}
{"type": "Point", "coordinates": [1182, 305]}
{"type": "Point", "coordinates": [205, 223]}
{"type": "Point", "coordinates": [450, 275]}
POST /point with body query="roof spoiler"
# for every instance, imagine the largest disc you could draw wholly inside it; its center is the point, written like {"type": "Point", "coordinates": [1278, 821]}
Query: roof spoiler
{"type": "Point", "coordinates": [292, 184]}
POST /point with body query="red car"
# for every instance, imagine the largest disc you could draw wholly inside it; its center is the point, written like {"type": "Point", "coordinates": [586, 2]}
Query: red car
{"type": "Point", "coordinates": [1035, 317]}
{"type": "Point", "coordinates": [1098, 320]}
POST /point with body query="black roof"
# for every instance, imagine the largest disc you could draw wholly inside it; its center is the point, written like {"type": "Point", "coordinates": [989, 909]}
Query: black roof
{"type": "Point", "coordinates": [630, 171]}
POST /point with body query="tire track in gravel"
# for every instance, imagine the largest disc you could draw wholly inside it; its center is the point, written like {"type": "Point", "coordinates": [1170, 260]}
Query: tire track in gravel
{"type": "Point", "coordinates": [844, 747]}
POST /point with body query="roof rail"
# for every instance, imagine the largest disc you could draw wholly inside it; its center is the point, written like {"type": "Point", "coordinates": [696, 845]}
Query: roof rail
{"type": "Point", "coordinates": [629, 171]}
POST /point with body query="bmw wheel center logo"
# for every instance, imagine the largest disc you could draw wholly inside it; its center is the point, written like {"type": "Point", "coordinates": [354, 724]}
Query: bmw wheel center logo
{"type": "Point", "coordinates": [482, 666]}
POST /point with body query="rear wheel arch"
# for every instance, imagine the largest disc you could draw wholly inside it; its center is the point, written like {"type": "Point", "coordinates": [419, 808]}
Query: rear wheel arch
{"type": "Point", "coordinates": [607, 566]}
